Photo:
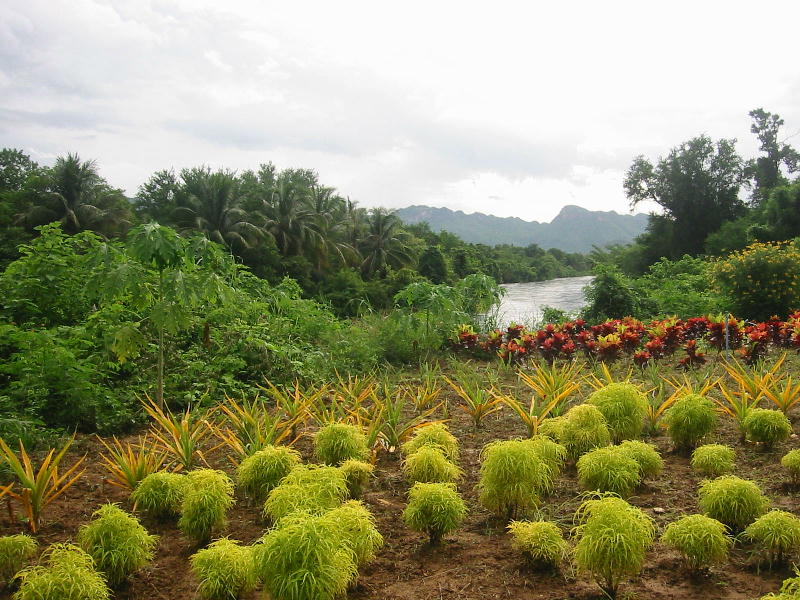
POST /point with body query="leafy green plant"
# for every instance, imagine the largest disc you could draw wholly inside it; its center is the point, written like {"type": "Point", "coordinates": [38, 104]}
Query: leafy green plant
{"type": "Point", "coordinates": [584, 428]}
{"type": "Point", "coordinates": [776, 534]}
{"type": "Point", "coordinates": [309, 488]}
{"type": "Point", "coordinates": [713, 460]}
{"type": "Point", "coordinates": [784, 396]}
{"type": "Point", "coordinates": [429, 465]}
{"type": "Point", "coordinates": [225, 570]}
{"type": "Point", "coordinates": [178, 437]}
{"type": "Point", "coordinates": [117, 542]}
{"type": "Point", "coordinates": [15, 551]}
{"type": "Point", "coordinates": [248, 427]}
{"type": "Point", "coordinates": [624, 408]}
{"type": "Point", "coordinates": [396, 428]}
{"type": "Point", "coordinates": [791, 462]}
{"type": "Point", "coordinates": [612, 540]}
{"type": "Point", "coordinates": [260, 472]}
{"type": "Point", "coordinates": [701, 540]}
{"type": "Point", "coordinates": [540, 541]}
{"type": "Point", "coordinates": [608, 470]}
{"type": "Point", "coordinates": [356, 526]}
{"type": "Point", "coordinates": [357, 474]}
{"type": "Point", "coordinates": [209, 495]}
{"type": "Point", "coordinates": [689, 420]}
{"type": "Point", "coordinates": [435, 508]}
{"type": "Point", "coordinates": [790, 589]}
{"type": "Point", "coordinates": [477, 402]}
{"type": "Point", "coordinates": [767, 427]}
{"type": "Point", "coordinates": [129, 464]}
{"type": "Point", "coordinates": [733, 501]}
{"type": "Point", "coordinates": [435, 434]}
{"type": "Point", "coordinates": [512, 476]}
{"type": "Point", "coordinates": [552, 454]}
{"type": "Point", "coordinates": [160, 494]}
{"type": "Point", "coordinates": [553, 427]}
{"type": "Point", "coordinates": [68, 575]}
{"type": "Point", "coordinates": [650, 461]}
{"type": "Point", "coordinates": [335, 443]}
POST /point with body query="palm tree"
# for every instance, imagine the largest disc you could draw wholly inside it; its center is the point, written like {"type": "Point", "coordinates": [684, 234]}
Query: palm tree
{"type": "Point", "coordinates": [289, 218]}
{"type": "Point", "coordinates": [329, 211]}
{"type": "Point", "coordinates": [385, 243]}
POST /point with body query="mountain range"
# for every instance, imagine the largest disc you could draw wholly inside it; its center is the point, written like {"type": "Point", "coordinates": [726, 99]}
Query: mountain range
{"type": "Point", "coordinates": [574, 229]}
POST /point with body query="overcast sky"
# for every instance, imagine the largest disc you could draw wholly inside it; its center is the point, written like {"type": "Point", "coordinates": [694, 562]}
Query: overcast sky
{"type": "Point", "coordinates": [507, 108]}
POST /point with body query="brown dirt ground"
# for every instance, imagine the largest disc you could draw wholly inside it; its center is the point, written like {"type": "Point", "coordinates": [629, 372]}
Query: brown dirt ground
{"type": "Point", "coordinates": [474, 563]}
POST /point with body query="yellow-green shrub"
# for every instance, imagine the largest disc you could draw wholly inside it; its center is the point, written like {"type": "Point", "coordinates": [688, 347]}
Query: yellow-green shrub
{"type": "Point", "coordinates": [259, 473]}
{"type": "Point", "coordinates": [650, 461]}
{"type": "Point", "coordinates": [335, 443]}
{"type": "Point", "coordinates": [310, 488]}
{"type": "Point", "coordinates": [209, 495]}
{"type": "Point", "coordinates": [430, 465]}
{"type": "Point", "coordinates": [435, 508]}
{"type": "Point", "coordinates": [690, 419]}
{"type": "Point", "coordinates": [791, 462]}
{"type": "Point", "coordinates": [540, 541]}
{"type": "Point", "coordinates": [436, 435]}
{"type": "Point", "coordinates": [624, 407]}
{"type": "Point", "coordinates": [15, 552]}
{"type": "Point", "coordinates": [733, 501]}
{"type": "Point", "coordinates": [512, 476]}
{"type": "Point", "coordinates": [552, 454]}
{"type": "Point", "coordinates": [776, 534]}
{"type": "Point", "coordinates": [767, 426]}
{"type": "Point", "coordinates": [160, 494]}
{"type": "Point", "coordinates": [225, 570]}
{"type": "Point", "coordinates": [608, 470]}
{"type": "Point", "coordinates": [68, 575]}
{"type": "Point", "coordinates": [701, 540]}
{"type": "Point", "coordinates": [356, 525]}
{"type": "Point", "coordinates": [357, 474]}
{"type": "Point", "coordinates": [713, 459]}
{"type": "Point", "coordinates": [584, 428]}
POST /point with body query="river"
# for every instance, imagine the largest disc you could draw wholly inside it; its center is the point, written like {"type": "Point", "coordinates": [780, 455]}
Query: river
{"type": "Point", "coordinates": [523, 302]}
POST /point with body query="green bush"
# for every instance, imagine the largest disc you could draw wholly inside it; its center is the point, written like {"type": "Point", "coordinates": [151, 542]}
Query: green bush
{"type": "Point", "coordinates": [304, 559]}
{"type": "Point", "coordinates": [650, 461]}
{"type": "Point", "coordinates": [540, 541]}
{"type": "Point", "coordinates": [553, 428]}
{"type": "Point", "coordinates": [225, 570]}
{"type": "Point", "coordinates": [512, 476]}
{"type": "Point", "coordinates": [713, 460]}
{"type": "Point", "coordinates": [689, 420]}
{"type": "Point", "coordinates": [429, 465]}
{"type": "Point", "coordinates": [437, 435]}
{"type": "Point", "coordinates": [624, 407]}
{"type": "Point", "coordinates": [357, 474]}
{"type": "Point", "coordinates": [608, 470]}
{"type": "Point", "coordinates": [259, 473]}
{"type": "Point", "coordinates": [790, 589]}
{"type": "Point", "coordinates": [776, 534]}
{"type": "Point", "coordinates": [767, 426]}
{"type": "Point", "coordinates": [612, 540]}
{"type": "Point", "coordinates": [335, 443]}
{"type": "Point", "coordinates": [701, 540]}
{"type": "Point", "coordinates": [69, 575]}
{"type": "Point", "coordinates": [733, 501]}
{"type": "Point", "coordinates": [791, 462]}
{"type": "Point", "coordinates": [117, 542]}
{"type": "Point", "coordinates": [356, 525]}
{"type": "Point", "coordinates": [160, 494]}
{"type": "Point", "coordinates": [15, 552]}
{"type": "Point", "coordinates": [552, 454]}
{"type": "Point", "coordinates": [584, 428]}
{"type": "Point", "coordinates": [435, 508]}
{"type": "Point", "coordinates": [310, 488]}
{"type": "Point", "coordinates": [208, 497]}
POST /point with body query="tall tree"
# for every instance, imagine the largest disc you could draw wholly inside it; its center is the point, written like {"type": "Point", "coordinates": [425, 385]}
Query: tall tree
{"type": "Point", "coordinates": [385, 243]}
{"type": "Point", "coordinates": [15, 168]}
{"type": "Point", "coordinates": [765, 171]}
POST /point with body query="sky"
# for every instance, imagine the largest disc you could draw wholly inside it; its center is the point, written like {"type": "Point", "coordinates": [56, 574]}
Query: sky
{"type": "Point", "coordinates": [506, 108]}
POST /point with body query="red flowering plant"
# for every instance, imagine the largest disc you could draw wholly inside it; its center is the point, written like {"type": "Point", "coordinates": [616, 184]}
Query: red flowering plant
{"type": "Point", "coordinates": [464, 338]}
{"type": "Point", "coordinates": [642, 358]}
{"type": "Point", "coordinates": [694, 357]}
{"type": "Point", "coordinates": [609, 347]}
{"type": "Point", "coordinates": [716, 332]}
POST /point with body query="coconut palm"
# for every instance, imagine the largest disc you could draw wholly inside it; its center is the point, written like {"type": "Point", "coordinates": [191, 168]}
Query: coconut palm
{"type": "Point", "coordinates": [289, 218]}
{"type": "Point", "coordinates": [385, 243]}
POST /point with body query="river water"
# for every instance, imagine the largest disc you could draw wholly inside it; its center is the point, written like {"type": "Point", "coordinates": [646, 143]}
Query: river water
{"type": "Point", "coordinates": [523, 302]}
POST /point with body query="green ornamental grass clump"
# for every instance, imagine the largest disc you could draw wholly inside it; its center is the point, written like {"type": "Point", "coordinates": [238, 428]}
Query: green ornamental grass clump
{"type": "Point", "coordinates": [117, 542]}
{"type": "Point", "coordinates": [357, 475]}
{"type": "Point", "coordinates": [624, 407]}
{"type": "Point", "coordinates": [553, 454]}
{"type": "Point", "coordinates": [67, 575]}
{"type": "Point", "coordinates": [436, 435]}
{"type": "Point", "coordinates": [160, 494]}
{"type": "Point", "coordinates": [259, 473]}
{"type": "Point", "coordinates": [776, 534]}
{"type": "Point", "coordinates": [767, 427]}
{"type": "Point", "coordinates": [608, 470]}
{"type": "Point", "coordinates": [15, 552]}
{"type": "Point", "coordinates": [225, 570]}
{"type": "Point", "coordinates": [701, 540]}
{"type": "Point", "coordinates": [689, 420]}
{"type": "Point", "coordinates": [646, 455]}
{"type": "Point", "coordinates": [435, 508]}
{"type": "Point", "coordinates": [310, 488]}
{"type": "Point", "coordinates": [584, 429]}
{"type": "Point", "coordinates": [733, 501]}
{"type": "Point", "coordinates": [791, 462]}
{"type": "Point", "coordinates": [356, 525]}
{"type": "Point", "coordinates": [304, 559]}
{"type": "Point", "coordinates": [430, 465]}
{"type": "Point", "coordinates": [208, 497]}
{"type": "Point", "coordinates": [553, 428]}
{"type": "Point", "coordinates": [612, 540]}
{"type": "Point", "coordinates": [335, 443]}
{"type": "Point", "coordinates": [713, 460]}
{"type": "Point", "coordinates": [540, 541]}
{"type": "Point", "coordinates": [512, 477]}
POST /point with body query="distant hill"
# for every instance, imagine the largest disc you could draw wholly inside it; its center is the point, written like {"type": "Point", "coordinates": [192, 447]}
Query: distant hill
{"type": "Point", "coordinates": [574, 229]}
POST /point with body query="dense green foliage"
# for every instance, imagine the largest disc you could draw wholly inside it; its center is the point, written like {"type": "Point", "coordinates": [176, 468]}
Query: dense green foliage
{"type": "Point", "coordinates": [15, 552]}
{"type": "Point", "coordinates": [160, 494]}
{"type": "Point", "coordinates": [775, 534]}
{"type": "Point", "coordinates": [356, 526]}
{"type": "Point", "coordinates": [435, 508]}
{"type": "Point", "coordinates": [68, 574]}
{"type": "Point", "coordinates": [209, 495]}
{"type": "Point", "coordinates": [767, 426]}
{"type": "Point", "coordinates": [583, 428]}
{"type": "Point", "coordinates": [713, 459]}
{"type": "Point", "coordinates": [690, 419]}
{"type": "Point", "coordinates": [436, 435]}
{"type": "Point", "coordinates": [512, 478]}
{"type": "Point", "coordinates": [540, 541]}
{"type": "Point", "coordinates": [733, 501]}
{"type": "Point", "coordinates": [225, 570]}
{"type": "Point", "coordinates": [258, 474]}
{"type": "Point", "coordinates": [309, 488]}
{"type": "Point", "coordinates": [608, 470]}
{"type": "Point", "coordinates": [335, 443]}
{"type": "Point", "coordinates": [623, 405]}
{"type": "Point", "coordinates": [701, 540]}
{"type": "Point", "coordinates": [649, 460]}
{"type": "Point", "coordinates": [357, 475]}
{"type": "Point", "coordinates": [791, 462]}
{"type": "Point", "coordinates": [430, 465]}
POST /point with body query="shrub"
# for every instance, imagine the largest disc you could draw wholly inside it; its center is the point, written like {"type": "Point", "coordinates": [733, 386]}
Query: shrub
{"type": "Point", "coordinates": [790, 589]}
{"type": "Point", "coordinates": [608, 470]}
{"type": "Point", "coordinates": [540, 541]}
{"type": "Point", "coordinates": [767, 426]}
{"type": "Point", "coordinates": [310, 488]}
{"type": "Point", "coordinates": [208, 497]}
{"type": "Point", "coordinates": [700, 539]}
{"type": "Point", "coordinates": [646, 455]}
{"type": "Point", "coordinates": [335, 443]}
{"type": "Point", "coordinates": [225, 570]}
{"type": "Point", "coordinates": [552, 454]}
{"type": "Point", "coordinates": [435, 508]}
{"type": "Point", "coordinates": [429, 465]}
{"type": "Point", "coordinates": [690, 419]}
{"type": "Point", "coordinates": [117, 542]}
{"type": "Point", "coordinates": [357, 474]}
{"type": "Point", "coordinates": [512, 476]}
{"type": "Point", "coordinates": [15, 551]}
{"type": "Point", "coordinates": [713, 459]}
{"type": "Point", "coordinates": [69, 575]}
{"type": "Point", "coordinates": [160, 494]}
{"type": "Point", "coordinates": [356, 525]}
{"type": "Point", "coordinates": [612, 539]}
{"type": "Point", "coordinates": [624, 408]}
{"type": "Point", "coordinates": [259, 473]}
{"type": "Point", "coordinates": [437, 435]}
{"type": "Point", "coordinates": [553, 428]}
{"type": "Point", "coordinates": [733, 501]}
{"type": "Point", "coordinates": [791, 462]}
{"type": "Point", "coordinates": [584, 429]}
{"type": "Point", "coordinates": [776, 533]}
{"type": "Point", "coordinates": [304, 559]}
